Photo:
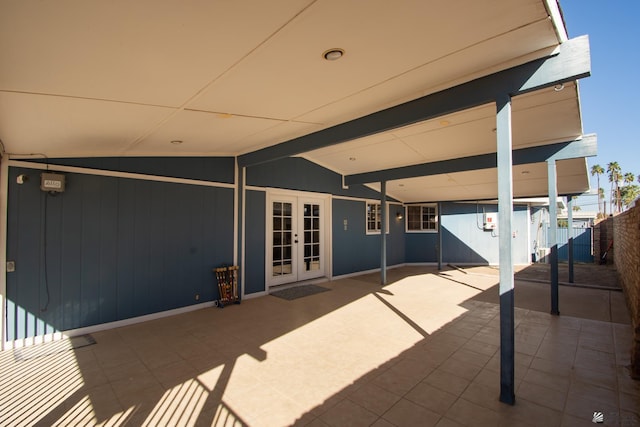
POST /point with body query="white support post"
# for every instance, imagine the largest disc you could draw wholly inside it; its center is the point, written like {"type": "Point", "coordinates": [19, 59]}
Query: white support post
{"type": "Point", "coordinates": [553, 234]}
{"type": "Point", "coordinates": [4, 200]}
{"type": "Point", "coordinates": [383, 233]}
{"type": "Point", "coordinates": [505, 217]}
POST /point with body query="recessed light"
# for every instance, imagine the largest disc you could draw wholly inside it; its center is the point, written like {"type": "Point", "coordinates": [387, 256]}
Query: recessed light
{"type": "Point", "coordinates": [176, 142]}
{"type": "Point", "coordinates": [333, 54]}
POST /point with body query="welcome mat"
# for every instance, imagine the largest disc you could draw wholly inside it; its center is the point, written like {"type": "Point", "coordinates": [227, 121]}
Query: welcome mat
{"type": "Point", "coordinates": [54, 347]}
{"type": "Point", "coordinates": [299, 292]}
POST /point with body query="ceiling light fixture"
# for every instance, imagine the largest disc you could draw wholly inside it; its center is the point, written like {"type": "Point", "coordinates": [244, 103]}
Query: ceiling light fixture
{"type": "Point", "coordinates": [176, 142]}
{"type": "Point", "coordinates": [333, 54]}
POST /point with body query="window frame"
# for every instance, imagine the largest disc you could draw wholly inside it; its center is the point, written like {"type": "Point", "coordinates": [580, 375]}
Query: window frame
{"type": "Point", "coordinates": [433, 206]}
{"type": "Point", "coordinates": [366, 217]}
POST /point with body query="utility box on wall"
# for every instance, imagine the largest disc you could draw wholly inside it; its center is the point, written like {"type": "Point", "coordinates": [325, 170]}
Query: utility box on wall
{"type": "Point", "coordinates": [52, 182]}
{"type": "Point", "coordinates": [491, 221]}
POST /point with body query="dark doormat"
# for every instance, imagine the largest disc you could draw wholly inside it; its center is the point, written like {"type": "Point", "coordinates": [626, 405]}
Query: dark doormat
{"type": "Point", "coordinates": [54, 347]}
{"type": "Point", "coordinates": [299, 292]}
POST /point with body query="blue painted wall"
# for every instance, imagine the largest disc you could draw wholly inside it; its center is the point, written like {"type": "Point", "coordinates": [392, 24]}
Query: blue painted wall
{"type": "Point", "coordinates": [111, 248]}
{"type": "Point", "coordinates": [255, 232]}
{"type": "Point", "coordinates": [463, 239]}
{"type": "Point", "coordinates": [296, 173]}
{"type": "Point", "coordinates": [353, 249]}
{"type": "Point", "coordinates": [116, 248]}
{"type": "Point", "coordinates": [421, 247]}
{"type": "Point", "coordinates": [582, 244]}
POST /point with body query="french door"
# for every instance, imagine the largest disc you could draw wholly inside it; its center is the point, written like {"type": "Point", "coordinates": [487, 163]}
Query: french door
{"type": "Point", "coordinates": [295, 239]}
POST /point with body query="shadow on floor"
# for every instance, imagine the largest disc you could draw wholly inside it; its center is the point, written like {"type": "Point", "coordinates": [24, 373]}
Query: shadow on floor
{"type": "Point", "coordinates": [422, 350]}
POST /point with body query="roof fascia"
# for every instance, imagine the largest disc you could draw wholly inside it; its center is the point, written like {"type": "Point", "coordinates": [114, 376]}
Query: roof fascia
{"type": "Point", "coordinates": [587, 146]}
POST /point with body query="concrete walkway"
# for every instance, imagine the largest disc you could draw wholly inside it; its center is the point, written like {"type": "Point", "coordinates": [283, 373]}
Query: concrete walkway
{"type": "Point", "coordinates": [595, 293]}
{"type": "Point", "coordinates": [422, 350]}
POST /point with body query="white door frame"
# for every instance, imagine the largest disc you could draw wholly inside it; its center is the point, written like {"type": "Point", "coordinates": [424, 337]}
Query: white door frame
{"type": "Point", "coordinates": [298, 199]}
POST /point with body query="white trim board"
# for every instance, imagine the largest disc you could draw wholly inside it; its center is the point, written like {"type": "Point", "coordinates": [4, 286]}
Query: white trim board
{"type": "Point", "coordinates": [115, 174]}
{"type": "Point", "coordinates": [4, 201]}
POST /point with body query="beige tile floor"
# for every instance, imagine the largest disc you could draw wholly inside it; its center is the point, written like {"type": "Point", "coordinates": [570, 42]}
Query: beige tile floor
{"type": "Point", "coordinates": [421, 351]}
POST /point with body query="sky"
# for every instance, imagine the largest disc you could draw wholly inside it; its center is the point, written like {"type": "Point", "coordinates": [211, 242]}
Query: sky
{"type": "Point", "coordinates": [610, 97]}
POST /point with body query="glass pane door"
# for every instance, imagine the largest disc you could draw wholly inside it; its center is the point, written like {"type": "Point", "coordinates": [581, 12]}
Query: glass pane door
{"type": "Point", "coordinates": [282, 238]}
{"type": "Point", "coordinates": [311, 230]}
{"type": "Point", "coordinates": [294, 239]}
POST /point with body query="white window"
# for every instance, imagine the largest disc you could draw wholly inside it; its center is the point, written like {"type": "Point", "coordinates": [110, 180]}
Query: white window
{"type": "Point", "coordinates": [374, 218]}
{"type": "Point", "coordinates": [422, 218]}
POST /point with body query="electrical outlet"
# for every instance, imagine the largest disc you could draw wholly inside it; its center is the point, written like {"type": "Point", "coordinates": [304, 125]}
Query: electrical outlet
{"type": "Point", "coordinates": [11, 266]}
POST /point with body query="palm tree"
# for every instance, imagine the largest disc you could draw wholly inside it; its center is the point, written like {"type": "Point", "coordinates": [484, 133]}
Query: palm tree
{"type": "Point", "coordinates": [629, 178]}
{"type": "Point", "coordinates": [628, 194]}
{"type": "Point", "coordinates": [615, 174]}
{"type": "Point", "coordinates": [597, 170]}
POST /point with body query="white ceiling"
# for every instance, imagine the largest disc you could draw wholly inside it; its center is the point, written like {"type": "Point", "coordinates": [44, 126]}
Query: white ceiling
{"type": "Point", "coordinates": [226, 77]}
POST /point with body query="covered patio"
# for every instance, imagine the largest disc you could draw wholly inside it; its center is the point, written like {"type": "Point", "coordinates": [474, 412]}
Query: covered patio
{"type": "Point", "coordinates": [422, 350]}
{"type": "Point", "coordinates": [175, 125]}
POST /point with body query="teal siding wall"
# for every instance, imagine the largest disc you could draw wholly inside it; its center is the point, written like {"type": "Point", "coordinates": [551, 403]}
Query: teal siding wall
{"type": "Point", "coordinates": [421, 247]}
{"type": "Point", "coordinates": [111, 248]}
{"type": "Point", "coordinates": [114, 248]}
{"type": "Point", "coordinates": [463, 239]}
{"type": "Point", "coordinates": [353, 249]}
{"type": "Point", "coordinates": [255, 231]}
{"type": "Point", "coordinates": [582, 244]}
{"type": "Point", "coordinates": [300, 174]}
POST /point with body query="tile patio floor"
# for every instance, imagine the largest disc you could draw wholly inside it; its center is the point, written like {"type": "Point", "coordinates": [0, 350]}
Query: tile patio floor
{"type": "Point", "coordinates": [422, 351]}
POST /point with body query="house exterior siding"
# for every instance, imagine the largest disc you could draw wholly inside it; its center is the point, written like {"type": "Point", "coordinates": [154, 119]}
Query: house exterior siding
{"type": "Point", "coordinates": [118, 246]}
{"type": "Point", "coordinates": [111, 248]}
